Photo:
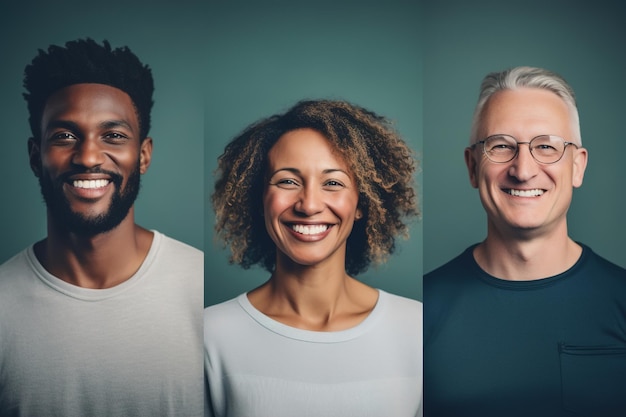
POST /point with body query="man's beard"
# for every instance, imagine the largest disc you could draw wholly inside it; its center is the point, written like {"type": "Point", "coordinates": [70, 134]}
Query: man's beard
{"type": "Point", "coordinates": [62, 214]}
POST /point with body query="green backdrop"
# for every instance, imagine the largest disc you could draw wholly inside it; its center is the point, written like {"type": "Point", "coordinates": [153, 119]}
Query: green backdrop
{"type": "Point", "coordinates": [219, 66]}
{"type": "Point", "coordinates": [584, 42]}
{"type": "Point", "coordinates": [265, 56]}
{"type": "Point", "coordinates": [170, 38]}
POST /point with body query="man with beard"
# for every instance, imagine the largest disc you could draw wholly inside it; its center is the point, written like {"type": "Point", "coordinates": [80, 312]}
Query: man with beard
{"type": "Point", "coordinates": [102, 317]}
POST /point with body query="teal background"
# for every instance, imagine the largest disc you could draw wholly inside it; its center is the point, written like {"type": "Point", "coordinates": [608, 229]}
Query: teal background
{"type": "Point", "coordinates": [169, 37]}
{"type": "Point", "coordinates": [265, 57]}
{"type": "Point", "coordinates": [582, 41]}
{"type": "Point", "coordinates": [219, 66]}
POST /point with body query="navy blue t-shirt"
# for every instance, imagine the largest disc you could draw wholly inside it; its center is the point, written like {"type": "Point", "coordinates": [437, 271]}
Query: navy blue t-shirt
{"type": "Point", "coordinates": [549, 347]}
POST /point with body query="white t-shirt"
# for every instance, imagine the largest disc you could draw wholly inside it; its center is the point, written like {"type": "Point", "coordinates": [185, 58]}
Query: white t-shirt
{"type": "Point", "coordinates": [131, 350]}
{"type": "Point", "coordinates": [258, 367]}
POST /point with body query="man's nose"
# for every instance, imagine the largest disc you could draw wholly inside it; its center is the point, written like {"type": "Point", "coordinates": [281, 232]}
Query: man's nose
{"type": "Point", "coordinates": [88, 153]}
{"type": "Point", "coordinates": [524, 166]}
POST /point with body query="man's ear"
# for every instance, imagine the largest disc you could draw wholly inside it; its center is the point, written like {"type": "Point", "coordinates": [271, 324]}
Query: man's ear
{"type": "Point", "coordinates": [145, 155]}
{"type": "Point", "coordinates": [472, 166]}
{"type": "Point", "coordinates": [579, 166]}
{"type": "Point", "coordinates": [34, 156]}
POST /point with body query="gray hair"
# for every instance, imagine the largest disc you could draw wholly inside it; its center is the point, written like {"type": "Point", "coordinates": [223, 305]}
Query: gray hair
{"type": "Point", "coordinates": [525, 77]}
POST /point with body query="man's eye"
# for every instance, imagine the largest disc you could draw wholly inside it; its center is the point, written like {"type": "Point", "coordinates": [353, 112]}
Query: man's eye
{"type": "Point", "coordinates": [502, 147]}
{"type": "Point", "coordinates": [115, 137]}
{"type": "Point", "coordinates": [62, 137]}
{"type": "Point", "coordinates": [545, 148]}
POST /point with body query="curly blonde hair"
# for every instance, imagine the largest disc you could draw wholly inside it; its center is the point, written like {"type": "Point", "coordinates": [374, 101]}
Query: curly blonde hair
{"type": "Point", "coordinates": [379, 159]}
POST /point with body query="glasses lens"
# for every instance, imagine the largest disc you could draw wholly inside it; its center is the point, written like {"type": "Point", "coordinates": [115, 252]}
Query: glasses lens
{"type": "Point", "coordinates": [500, 148]}
{"type": "Point", "coordinates": [547, 149]}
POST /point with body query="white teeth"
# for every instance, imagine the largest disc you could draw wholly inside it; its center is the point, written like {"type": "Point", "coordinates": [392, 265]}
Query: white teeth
{"type": "Point", "coordinates": [526, 193]}
{"type": "Point", "coordinates": [310, 230]}
{"type": "Point", "coordinates": [90, 183]}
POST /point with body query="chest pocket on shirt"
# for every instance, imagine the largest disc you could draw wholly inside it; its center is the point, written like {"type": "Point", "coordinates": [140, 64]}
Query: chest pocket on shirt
{"type": "Point", "coordinates": [593, 379]}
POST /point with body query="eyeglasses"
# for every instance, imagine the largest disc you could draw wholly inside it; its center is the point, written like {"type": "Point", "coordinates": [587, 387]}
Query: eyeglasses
{"type": "Point", "coordinates": [545, 149]}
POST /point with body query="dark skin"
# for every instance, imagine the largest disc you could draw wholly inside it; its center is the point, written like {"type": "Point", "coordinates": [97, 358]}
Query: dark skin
{"type": "Point", "coordinates": [89, 127]}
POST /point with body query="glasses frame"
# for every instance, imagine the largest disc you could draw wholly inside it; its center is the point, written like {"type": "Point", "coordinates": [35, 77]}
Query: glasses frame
{"type": "Point", "coordinates": [530, 148]}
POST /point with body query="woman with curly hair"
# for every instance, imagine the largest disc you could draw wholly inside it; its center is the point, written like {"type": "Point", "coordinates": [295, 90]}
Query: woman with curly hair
{"type": "Point", "coordinates": [314, 195]}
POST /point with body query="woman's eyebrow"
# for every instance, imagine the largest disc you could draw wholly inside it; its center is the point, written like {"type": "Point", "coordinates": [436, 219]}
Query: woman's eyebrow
{"type": "Point", "coordinates": [298, 172]}
{"type": "Point", "coordinates": [331, 170]}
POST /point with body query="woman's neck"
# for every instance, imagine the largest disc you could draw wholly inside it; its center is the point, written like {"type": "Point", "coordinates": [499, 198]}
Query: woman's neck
{"type": "Point", "coordinates": [320, 297]}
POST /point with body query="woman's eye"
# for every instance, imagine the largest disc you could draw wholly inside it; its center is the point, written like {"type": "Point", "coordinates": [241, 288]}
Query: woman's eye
{"type": "Point", "coordinates": [333, 184]}
{"type": "Point", "coordinates": [286, 183]}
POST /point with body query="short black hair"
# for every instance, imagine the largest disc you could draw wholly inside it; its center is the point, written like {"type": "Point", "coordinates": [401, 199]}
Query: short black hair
{"type": "Point", "coordinates": [85, 61]}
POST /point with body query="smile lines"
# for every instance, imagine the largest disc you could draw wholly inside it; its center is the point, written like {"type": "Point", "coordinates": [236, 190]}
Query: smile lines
{"type": "Point", "coordinates": [525, 193]}
{"type": "Point", "coordinates": [310, 229]}
{"type": "Point", "coordinates": [90, 183]}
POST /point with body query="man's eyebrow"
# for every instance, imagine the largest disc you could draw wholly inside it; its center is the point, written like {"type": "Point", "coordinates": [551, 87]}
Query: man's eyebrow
{"type": "Point", "coordinates": [62, 124]}
{"type": "Point", "coordinates": [70, 125]}
{"type": "Point", "coordinates": [112, 124]}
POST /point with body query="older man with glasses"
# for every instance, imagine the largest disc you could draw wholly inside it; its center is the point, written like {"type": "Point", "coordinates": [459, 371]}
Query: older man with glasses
{"type": "Point", "coordinates": [527, 322]}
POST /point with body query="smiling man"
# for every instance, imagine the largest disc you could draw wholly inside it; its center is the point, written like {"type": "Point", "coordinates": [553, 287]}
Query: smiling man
{"type": "Point", "coordinates": [102, 317]}
{"type": "Point", "coordinates": [527, 322]}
